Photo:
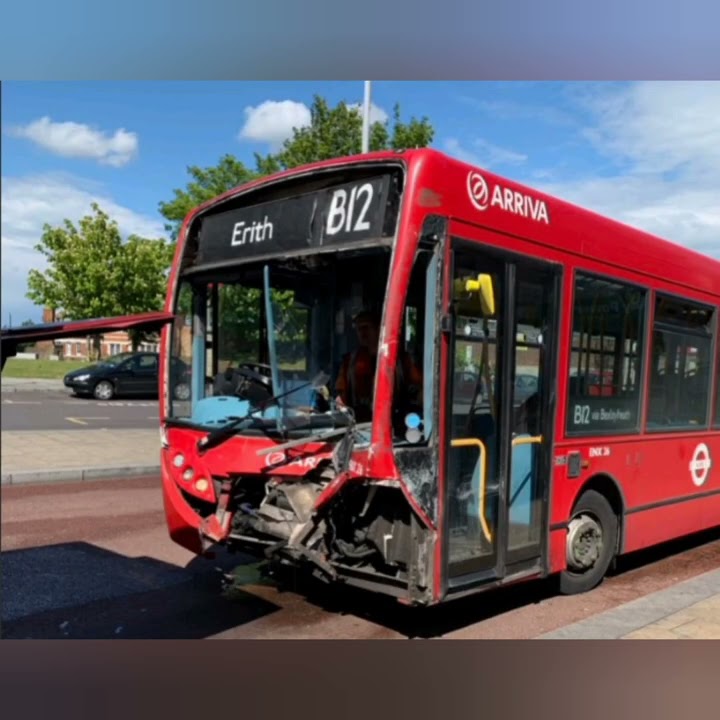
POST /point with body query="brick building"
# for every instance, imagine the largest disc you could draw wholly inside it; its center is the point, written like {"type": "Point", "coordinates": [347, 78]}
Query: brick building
{"type": "Point", "coordinates": [80, 348]}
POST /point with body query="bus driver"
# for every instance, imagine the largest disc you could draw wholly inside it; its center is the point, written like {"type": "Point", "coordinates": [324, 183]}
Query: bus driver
{"type": "Point", "coordinates": [354, 384]}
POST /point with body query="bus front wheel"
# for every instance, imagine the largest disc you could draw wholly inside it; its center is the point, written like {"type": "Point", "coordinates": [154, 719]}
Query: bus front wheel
{"type": "Point", "coordinates": [591, 543]}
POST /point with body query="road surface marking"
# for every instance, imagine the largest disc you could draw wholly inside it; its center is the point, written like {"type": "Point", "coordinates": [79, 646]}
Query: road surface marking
{"type": "Point", "coordinates": [81, 420]}
{"type": "Point", "coordinates": [22, 402]}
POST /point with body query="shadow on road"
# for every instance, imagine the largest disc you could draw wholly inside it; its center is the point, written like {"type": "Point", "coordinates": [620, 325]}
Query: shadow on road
{"type": "Point", "coordinates": [77, 590]}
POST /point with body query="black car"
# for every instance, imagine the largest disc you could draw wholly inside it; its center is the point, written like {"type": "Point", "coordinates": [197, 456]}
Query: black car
{"type": "Point", "coordinates": [126, 374]}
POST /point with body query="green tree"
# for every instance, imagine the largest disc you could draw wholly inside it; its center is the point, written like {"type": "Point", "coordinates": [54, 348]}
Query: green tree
{"type": "Point", "coordinates": [337, 132]}
{"type": "Point", "coordinates": [146, 265]}
{"type": "Point", "coordinates": [206, 183]}
{"type": "Point", "coordinates": [92, 273]}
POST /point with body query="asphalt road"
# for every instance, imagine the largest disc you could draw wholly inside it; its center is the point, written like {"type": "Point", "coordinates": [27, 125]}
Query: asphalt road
{"type": "Point", "coordinates": [93, 560]}
{"type": "Point", "coordinates": [59, 410]}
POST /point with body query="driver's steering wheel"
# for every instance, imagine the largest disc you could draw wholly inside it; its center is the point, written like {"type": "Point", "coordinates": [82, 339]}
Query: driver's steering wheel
{"type": "Point", "coordinates": [257, 372]}
{"type": "Point", "coordinates": [255, 382]}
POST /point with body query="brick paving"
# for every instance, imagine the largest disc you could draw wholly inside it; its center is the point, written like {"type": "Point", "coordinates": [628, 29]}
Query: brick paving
{"type": "Point", "coordinates": [61, 452]}
{"type": "Point", "coordinates": [688, 610]}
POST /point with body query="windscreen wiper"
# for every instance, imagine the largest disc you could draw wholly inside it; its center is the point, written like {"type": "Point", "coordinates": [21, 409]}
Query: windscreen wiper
{"type": "Point", "coordinates": [216, 437]}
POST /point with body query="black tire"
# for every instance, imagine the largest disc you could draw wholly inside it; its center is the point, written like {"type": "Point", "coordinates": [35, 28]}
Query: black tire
{"type": "Point", "coordinates": [593, 504]}
{"type": "Point", "coordinates": [104, 390]}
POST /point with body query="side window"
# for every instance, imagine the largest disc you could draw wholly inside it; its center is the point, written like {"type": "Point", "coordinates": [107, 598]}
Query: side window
{"type": "Point", "coordinates": [147, 362]}
{"type": "Point", "coordinates": [606, 360]}
{"type": "Point", "coordinates": [413, 392]}
{"type": "Point", "coordinates": [181, 350]}
{"type": "Point", "coordinates": [681, 365]}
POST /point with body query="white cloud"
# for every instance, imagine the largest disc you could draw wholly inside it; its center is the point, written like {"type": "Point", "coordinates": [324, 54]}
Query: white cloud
{"type": "Point", "coordinates": [273, 121]}
{"type": "Point", "coordinates": [660, 127]}
{"type": "Point", "coordinates": [689, 215]}
{"type": "Point", "coordinates": [71, 139]}
{"type": "Point", "coordinates": [665, 141]}
{"type": "Point", "coordinates": [30, 202]}
{"type": "Point", "coordinates": [484, 154]}
{"type": "Point", "coordinates": [377, 114]}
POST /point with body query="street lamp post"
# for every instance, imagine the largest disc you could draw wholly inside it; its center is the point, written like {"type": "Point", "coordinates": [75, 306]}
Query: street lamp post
{"type": "Point", "coordinates": [366, 119]}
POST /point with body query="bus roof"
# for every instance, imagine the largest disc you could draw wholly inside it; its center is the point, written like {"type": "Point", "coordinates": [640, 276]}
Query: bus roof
{"type": "Point", "coordinates": [519, 211]}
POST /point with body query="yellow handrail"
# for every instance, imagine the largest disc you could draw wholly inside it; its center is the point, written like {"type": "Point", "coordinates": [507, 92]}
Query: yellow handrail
{"type": "Point", "coordinates": [470, 442]}
{"type": "Point", "coordinates": [534, 440]}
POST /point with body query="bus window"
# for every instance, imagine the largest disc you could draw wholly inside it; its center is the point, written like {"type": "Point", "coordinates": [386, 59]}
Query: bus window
{"type": "Point", "coordinates": [181, 354]}
{"type": "Point", "coordinates": [681, 362]}
{"type": "Point", "coordinates": [474, 433]}
{"type": "Point", "coordinates": [412, 396]}
{"type": "Point", "coordinates": [534, 300]}
{"type": "Point", "coordinates": [606, 357]}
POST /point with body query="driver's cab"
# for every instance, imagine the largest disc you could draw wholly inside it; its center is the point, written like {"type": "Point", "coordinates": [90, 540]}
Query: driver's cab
{"type": "Point", "coordinates": [269, 329]}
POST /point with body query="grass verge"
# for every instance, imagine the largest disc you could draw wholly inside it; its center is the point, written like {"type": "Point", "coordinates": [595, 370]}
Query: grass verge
{"type": "Point", "coordinates": [44, 369]}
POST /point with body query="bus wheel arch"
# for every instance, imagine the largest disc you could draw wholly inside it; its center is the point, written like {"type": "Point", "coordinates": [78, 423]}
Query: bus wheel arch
{"type": "Point", "coordinates": [594, 536]}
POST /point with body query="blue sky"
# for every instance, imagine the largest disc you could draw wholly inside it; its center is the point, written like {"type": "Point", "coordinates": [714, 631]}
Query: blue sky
{"type": "Point", "coordinates": [645, 153]}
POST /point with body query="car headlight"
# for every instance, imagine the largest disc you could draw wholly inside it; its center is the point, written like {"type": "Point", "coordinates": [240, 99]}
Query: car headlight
{"type": "Point", "coordinates": [82, 378]}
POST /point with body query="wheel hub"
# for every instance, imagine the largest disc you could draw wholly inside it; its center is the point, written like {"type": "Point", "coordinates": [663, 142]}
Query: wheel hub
{"type": "Point", "coordinates": [104, 391]}
{"type": "Point", "coordinates": [584, 542]}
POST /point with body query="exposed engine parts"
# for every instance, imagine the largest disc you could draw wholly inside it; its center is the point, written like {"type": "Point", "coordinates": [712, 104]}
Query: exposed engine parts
{"type": "Point", "coordinates": [367, 529]}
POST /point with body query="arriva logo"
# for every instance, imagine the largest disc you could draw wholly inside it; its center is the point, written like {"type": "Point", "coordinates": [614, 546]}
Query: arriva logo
{"type": "Point", "coordinates": [506, 199]}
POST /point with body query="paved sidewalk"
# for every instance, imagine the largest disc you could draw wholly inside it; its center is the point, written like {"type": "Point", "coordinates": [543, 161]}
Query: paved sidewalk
{"type": "Point", "coordinates": [25, 384]}
{"type": "Point", "coordinates": [688, 610]}
{"type": "Point", "coordinates": [76, 455]}
{"type": "Point", "coordinates": [73, 455]}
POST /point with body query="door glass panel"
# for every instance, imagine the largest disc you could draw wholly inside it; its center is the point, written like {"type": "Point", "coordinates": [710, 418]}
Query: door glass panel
{"type": "Point", "coordinates": [474, 441]}
{"type": "Point", "coordinates": [533, 304]}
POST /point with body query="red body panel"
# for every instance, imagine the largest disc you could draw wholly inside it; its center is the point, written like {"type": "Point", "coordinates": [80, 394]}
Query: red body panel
{"type": "Point", "coordinates": [183, 524]}
{"type": "Point", "coordinates": [649, 471]}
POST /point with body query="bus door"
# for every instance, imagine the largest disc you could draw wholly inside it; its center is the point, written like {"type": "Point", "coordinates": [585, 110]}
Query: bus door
{"type": "Point", "coordinates": [501, 323]}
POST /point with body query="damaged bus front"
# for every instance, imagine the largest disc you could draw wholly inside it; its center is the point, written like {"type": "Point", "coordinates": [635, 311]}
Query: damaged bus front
{"type": "Point", "coordinates": [308, 318]}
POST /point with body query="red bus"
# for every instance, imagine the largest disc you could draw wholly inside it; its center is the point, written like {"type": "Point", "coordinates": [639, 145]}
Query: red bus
{"type": "Point", "coordinates": [415, 376]}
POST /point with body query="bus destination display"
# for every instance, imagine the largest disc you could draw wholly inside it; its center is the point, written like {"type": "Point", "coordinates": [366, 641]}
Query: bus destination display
{"type": "Point", "coordinates": [342, 214]}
